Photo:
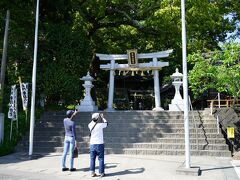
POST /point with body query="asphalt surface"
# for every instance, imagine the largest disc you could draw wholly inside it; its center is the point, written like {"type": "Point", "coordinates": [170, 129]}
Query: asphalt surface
{"type": "Point", "coordinates": [20, 166]}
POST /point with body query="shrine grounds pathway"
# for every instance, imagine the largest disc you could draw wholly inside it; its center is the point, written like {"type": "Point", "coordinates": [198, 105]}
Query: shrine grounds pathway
{"type": "Point", "coordinates": [19, 166]}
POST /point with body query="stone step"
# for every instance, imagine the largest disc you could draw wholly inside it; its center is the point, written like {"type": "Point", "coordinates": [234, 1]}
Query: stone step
{"type": "Point", "coordinates": [85, 140]}
{"type": "Point", "coordinates": [157, 132]}
{"type": "Point", "coordinates": [128, 113]}
{"type": "Point", "coordinates": [134, 140]}
{"type": "Point", "coordinates": [117, 138]}
{"type": "Point", "coordinates": [199, 146]}
{"type": "Point", "coordinates": [127, 119]}
{"type": "Point", "coordinates": [131, 114]}
{"type": "Point", "coordinates": [127, 127]}
{"type": "Point", "coordinates": [133, 151]}
{"type": "Point", "coordinates": [168, 152]}
{"type": "Point", "coordinates": [135, 132]}
{"type": "Point", "coordinates": [130, 125]}
{"type": "Point", "coordinates": [123, 116]}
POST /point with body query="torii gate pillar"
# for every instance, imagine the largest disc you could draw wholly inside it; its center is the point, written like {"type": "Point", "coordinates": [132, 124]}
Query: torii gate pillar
{"type": "Point", "coordinates": [111, 87]}
{"type": "Point", "coordinates": [156, 88]}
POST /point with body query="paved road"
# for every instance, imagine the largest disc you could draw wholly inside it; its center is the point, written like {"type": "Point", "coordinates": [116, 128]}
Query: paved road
{"type": "Point", "coordinates": [118, 167]}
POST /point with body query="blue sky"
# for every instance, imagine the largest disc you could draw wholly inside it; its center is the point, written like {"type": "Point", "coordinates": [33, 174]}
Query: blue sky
{"type": "Point", "coordinates": [236, 39]}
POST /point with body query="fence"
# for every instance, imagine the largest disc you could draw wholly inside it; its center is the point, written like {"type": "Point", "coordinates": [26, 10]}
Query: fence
{"type": "Point", "coordinates": [223, 103]}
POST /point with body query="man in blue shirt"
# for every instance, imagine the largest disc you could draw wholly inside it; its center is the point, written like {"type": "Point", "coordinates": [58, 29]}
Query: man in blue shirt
{"type": "Point", "coordinates": [70, 140]}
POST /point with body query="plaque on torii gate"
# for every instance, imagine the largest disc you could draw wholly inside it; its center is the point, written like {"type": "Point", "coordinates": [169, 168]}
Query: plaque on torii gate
{"type": "Point", "coordinates": [134, 66]}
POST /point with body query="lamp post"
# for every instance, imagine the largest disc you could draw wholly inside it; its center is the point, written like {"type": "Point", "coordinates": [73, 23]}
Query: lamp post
{"type": "Point", "coordinates": [32, 117]}
{"type": "Point", "coordinates": [185, 87]}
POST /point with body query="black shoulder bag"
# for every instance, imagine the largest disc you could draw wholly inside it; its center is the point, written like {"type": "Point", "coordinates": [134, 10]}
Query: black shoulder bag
{"type": "Point", "coordinates": [92, 129]}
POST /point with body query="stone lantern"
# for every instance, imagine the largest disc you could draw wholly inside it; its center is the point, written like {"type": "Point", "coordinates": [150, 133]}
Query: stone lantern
{"type": "Point", "coordinates": [177, 101]}
{"type": "Point", "coordinates": [87, 104]}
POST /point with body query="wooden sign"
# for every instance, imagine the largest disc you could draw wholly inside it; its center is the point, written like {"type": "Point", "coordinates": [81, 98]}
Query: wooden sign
{"type": "Point", "coordinates": [132, 57]}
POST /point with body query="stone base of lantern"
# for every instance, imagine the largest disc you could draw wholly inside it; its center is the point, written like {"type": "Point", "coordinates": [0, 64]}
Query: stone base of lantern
{"type": "Point", "coordinates": [158, 109]}
{"type": "Point", "coordinates": [176, 107]}
{"type": "Point", "coordinates": [109, 110]}
{"type": "Point", "coordinates": [176, 104]}
{"type": "Point", "coordinates": [87, 106]}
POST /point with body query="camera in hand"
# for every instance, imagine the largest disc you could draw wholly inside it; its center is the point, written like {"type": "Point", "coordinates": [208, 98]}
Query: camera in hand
{"type": "Point", "coordinates": [99, 119]}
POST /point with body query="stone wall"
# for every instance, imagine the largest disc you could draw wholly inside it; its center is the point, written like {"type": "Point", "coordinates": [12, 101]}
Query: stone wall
{"type": "Point", "coordinates": [229, 117]}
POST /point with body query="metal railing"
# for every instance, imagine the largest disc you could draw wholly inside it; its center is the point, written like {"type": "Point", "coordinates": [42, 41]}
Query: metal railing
{"type": "Point", "coordinates": [194, 120]}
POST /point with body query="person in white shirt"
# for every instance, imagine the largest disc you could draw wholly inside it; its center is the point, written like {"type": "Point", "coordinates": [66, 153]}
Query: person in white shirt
{"type": "Point", "coordinates": [96, 127]}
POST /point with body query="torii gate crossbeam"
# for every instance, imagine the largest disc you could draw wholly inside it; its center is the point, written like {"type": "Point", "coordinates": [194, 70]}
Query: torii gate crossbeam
{"type": "Point", "coordinates": [155, 66]}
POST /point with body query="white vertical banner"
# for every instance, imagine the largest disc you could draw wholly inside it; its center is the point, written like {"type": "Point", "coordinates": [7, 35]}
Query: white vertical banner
{"type": "Point", "coordinates": [24, 95]}
{"type": "Point", "coordinates": [12, 112]}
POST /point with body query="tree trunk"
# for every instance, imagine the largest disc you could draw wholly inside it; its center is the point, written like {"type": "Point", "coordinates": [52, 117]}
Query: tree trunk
{"type": "Point", "coordinates": [4, 59]}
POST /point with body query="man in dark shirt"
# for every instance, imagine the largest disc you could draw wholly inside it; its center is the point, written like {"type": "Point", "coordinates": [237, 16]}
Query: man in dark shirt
{"type": "Point", "coordinates": [70, 140]}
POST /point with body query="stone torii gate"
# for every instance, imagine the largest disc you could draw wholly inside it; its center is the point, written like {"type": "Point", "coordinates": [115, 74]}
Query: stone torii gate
{"type": "Point", "coordinates": [134, 66]}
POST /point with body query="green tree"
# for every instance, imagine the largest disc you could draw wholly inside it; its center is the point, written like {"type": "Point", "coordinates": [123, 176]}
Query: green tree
{"type": "Point", "coordinates": [70, 32]}
{"type": "Point", "coordinates": [64, 58]}
{"type": "Point", "coordinates": [64, 54]}
{"type": "Point", "coordinates": [116, 25]}
{"type": "Point", "coordinates": [218, 70]}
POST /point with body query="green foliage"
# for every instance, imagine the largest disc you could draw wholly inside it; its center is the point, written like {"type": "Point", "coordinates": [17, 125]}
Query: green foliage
{"type": "Point", "coordinates": [70, 32]}
{"type": "Point", "coordinates": [218, 70]}
{"type": "Point", "coordinates": [64, 54]}
{"type": "Point", "coordinates": [8, 146]}
{"type": "Point", "coordinates": [64, 58]}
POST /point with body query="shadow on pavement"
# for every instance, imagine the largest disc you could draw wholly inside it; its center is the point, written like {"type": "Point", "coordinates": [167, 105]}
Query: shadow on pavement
{"type": "Point", "coordinates": [19, 157]}
{"type": "Point", "coordinates": [127, 171]}
{"type": "Point", "coordinates": [107, 166]}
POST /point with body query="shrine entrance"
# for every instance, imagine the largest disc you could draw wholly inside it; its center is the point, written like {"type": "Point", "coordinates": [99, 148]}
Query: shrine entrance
{"type": "Point", "coordinates": [133, 68]}
{"type": "Point", "coordinates": [141, 99]}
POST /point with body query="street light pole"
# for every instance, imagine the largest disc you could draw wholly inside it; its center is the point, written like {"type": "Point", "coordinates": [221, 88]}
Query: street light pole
{"type": "Point", "coordinates": [185, 87]}
{"type": "Point", "coordinates": [32, 117]}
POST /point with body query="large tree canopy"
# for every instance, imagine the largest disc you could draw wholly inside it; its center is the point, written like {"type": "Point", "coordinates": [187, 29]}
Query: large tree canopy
{"type": "Point", "coordinates": [218, 70]}
{"type": "Point", "coordinates": [70, 32]}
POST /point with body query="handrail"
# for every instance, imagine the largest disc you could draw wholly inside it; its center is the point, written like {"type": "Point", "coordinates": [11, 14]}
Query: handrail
{"type": "Point", "coordinates": [211, 104]}
{"type": "Point", "coordinates": [217, 122]}
{"type": "Point", "coordinates": [223, 102]}
{"type": "Point", "coordinates": [194, 120]}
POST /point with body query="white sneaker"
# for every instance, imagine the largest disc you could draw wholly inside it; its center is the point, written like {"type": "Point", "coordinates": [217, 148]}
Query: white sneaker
{"type": "Point", "coordinates": [93, 174]}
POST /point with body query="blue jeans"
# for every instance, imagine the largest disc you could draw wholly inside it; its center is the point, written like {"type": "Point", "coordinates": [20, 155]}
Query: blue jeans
{"type": "Point", "coordinates": [69, 144]}
{"type": "Point", "coordinates": [97, 150]}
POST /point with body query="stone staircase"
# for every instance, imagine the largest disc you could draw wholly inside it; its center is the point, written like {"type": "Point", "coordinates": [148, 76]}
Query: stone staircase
{"type": "Point", "coordinates": [136, 133]}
